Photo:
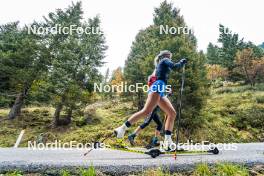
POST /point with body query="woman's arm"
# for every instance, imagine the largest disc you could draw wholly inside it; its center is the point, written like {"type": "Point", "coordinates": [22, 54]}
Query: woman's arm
{"type": "Point", "coordinates": [173, 65]}
{"type": "Point", "coordinates": [154, 73]}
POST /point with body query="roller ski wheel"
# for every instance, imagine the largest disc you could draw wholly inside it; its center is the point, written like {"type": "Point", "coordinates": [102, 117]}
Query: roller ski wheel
{"type": "Point", "coordinates": [214, 151]}
{"type": "Point", "coordinates": [153, 153]}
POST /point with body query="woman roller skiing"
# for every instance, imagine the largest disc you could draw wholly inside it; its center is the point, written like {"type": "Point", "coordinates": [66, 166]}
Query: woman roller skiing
{"type": "Point", "coordinates": [156, 97]}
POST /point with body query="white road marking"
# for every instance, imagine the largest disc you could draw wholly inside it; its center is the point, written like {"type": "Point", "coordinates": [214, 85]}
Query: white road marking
{"type": "Point", "coordinates": [19, 139]}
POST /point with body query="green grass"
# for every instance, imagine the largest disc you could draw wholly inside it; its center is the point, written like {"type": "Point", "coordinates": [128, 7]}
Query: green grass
{"type": "Point", "coordinates": [158, 172]}
{"type": "Point", "coordinates": [14, 173]}
{"type": "Point", "coordinates": [202, 169]}
{"type": "Point", "coordinates": [37, 121]}
{"type": "Point", "coordinates": [88, 172]}
{"type": "Point", "coordinates": [65, 173]}
{"type": "Point", "coordinates": [34, 120]}
{"type": "Point", "coordinates": [260, 99]}
{"type": "Point", "coordinates": [221, 169]}
{"type": "Point", "coordinates": [231, 170]}
{"type": "Point", "coordinates": [238, 89]}
{"type": "Point", "coordinates": [234, 116]}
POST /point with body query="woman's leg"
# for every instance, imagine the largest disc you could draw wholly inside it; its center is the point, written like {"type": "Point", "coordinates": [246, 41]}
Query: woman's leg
{"type": "Point", "coordinates": [155, 139]}
{"type": "Point", "coordinates": [157, 120]}
{"type": "Point", "coordinates": [157, 133]}
{"type": "Point", "coordinates": [151, 103]}
{"type": "Point", "coordinates": [132, 136]}
{"type": "Point", "coordinates": [146, 122]}
{"type": "Point", "coordinates": [137, 131]}
{"type": "Point", "coordinates": [167, 107]}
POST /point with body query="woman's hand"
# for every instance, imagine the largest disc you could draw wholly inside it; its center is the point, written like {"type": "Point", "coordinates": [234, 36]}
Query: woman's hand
{"type": "Point", "coordinates": [183, 61]}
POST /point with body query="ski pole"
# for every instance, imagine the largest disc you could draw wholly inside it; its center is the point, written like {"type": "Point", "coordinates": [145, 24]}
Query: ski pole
{"type": "Point", "coordinates": [180, 107]}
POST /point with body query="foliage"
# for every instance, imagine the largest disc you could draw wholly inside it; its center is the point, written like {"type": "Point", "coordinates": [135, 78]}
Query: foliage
{"type": "Point", "coordinates": [41, 67]}
{"type": "Point", "coordinates": [239, 89]}
{"type": "Point", "coordinates": [250, 66]}
{"type": "Point", "coordinates": [215, 72]}
{"type": "Point", "coordinates": [231, 169]}
{"type": "Point", "coordinates": [14, 173]}
{"type": "Point", "coordinates": [24, 59]}
{"type": "Point", "coordinates": [260, 99]}
{"type": "Point", "coordinates": [157, 172]}
{"type": "Point", "coordinates": [213, 54]}
{"type": "Point", "coordinates": [88, 172]}
{"type": "Point", "coordinates": [226, 54]}
{"type": "Point", "coordinates": [230, 45]}
{"type": "Point", "coordinates": [117, 79]}
{"type": "Point", "coordinates": [233, 116]}
{"type": "Point", "coordinates": [226, 169]}
{"type": "Point", "coordinates": [75, 59]}
{"type": "Point", "coordinates": [65, 173]}
{"type": "Point", "coordinates": [202, 170]}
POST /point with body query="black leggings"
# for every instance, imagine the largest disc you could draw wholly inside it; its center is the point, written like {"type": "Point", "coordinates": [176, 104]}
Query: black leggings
{"type": "Point", "coordinates": [155, 117]}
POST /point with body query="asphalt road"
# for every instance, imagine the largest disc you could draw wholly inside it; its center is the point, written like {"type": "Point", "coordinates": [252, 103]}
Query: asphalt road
{"type": "Point", "coordinates": [120, 162]}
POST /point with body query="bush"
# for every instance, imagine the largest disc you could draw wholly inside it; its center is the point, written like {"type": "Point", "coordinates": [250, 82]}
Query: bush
{"type": "Point", "coordinates": [239, 89]}
{"type": "Point", "coordinates": [14, 173]}
{"type": "Point", "coordinates": [65, 173]}
{"type": "Point", "coordinates": [201, 170]}
{"type": "Point", "coordinates": [224, 169]}
{"type": "Point", "coordinates": [223, 90]}
{"type": "Point", "coordinates": [230, 170]}
{"type": "Point", "coordinates": [259, 87]}
{"type": "Point", "coordinates": [88, 172]}
{"type": "Point", "coordinates": [217, 83]}
{"type": "Point", "coordinates": [249, 118]}
{"type": "Point", "coordinates": [82, 121]}
{"type": "Point", "coordinates": [4, 102]}
{"type": "Point", "coordinates": [157, 172]}
{"type": "Point", "coordinates": [260, 99]}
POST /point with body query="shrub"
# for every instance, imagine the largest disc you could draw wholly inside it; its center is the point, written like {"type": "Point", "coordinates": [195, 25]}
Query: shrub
{"type": "Point", "coordinates": [157, 172]}
{"type": "Point", "coordinates": [260, 99]}
{"type": "Point", "coordinates": [238, 89]}
{"type": "Point", "coordinates": [231, 169]}
{"type": "Point", "coordinates": [65, 173]}
{"type": "Point", "coordinates": [14, 173]}
{"type": "Point", "coordinates": [202, 170]}
{"type": "Point", "coordinates": [4, 102]}
{"type": "Point", "coordinates": [81, 121]}
{"type": "Point", "coordinates": [223, 90]}
{"type": "Point", "coordinates": [88, 172]}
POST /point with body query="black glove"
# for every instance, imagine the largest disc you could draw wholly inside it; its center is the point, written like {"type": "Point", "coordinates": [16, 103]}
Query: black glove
{"type": "Point", "coordinates": [183, 61]}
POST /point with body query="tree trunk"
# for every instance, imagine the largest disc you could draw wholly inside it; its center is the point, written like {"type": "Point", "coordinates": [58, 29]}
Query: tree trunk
{"type": "Point", "coordinates": [140, 101]}
{"type": "Point", "coordinates": [56, 117]}
{"type": "Point", "coordinates": [16, 108]}
{"type": "Point", "coordinates": [247, 75]}
{"type": "Point", "coordinates": [69, 115]}
{"type": "Point", "coordinates": [254, 78]}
